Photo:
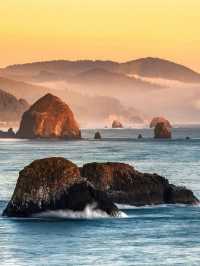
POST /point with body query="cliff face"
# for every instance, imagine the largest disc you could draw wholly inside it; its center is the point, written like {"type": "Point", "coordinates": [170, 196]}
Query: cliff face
{"type": "Point", "coordinates": [11, 109]}
{"type": "Point", "coordinates": [49, 117]}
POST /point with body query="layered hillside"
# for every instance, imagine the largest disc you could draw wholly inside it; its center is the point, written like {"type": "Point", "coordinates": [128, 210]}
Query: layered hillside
{"type": "Point", "coordinates": [22, 89]}
{"type": "Point", "coordinates": [146, 67]}
{"type": "Point", "coordinates": [11, 109]}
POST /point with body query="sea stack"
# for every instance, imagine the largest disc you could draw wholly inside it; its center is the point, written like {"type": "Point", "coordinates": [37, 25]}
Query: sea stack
{"type": "Point", "coordinates": [49, 117]}
{"type": "Point", "coordinates": [161, 131]}
{"type": "Point", "coordinates": [160, 119]}
{"type": "Point", "coordinates": [117, 124]}
{"type": "Point", "coordinates": [162, 128]}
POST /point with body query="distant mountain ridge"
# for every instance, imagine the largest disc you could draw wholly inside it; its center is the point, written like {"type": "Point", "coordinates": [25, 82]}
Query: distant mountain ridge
{"type": "Point", "coordinates": [145, 67]}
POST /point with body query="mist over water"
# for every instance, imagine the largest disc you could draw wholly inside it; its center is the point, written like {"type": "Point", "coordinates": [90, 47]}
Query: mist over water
{"type": "Point", "coordinates": [178, 101]}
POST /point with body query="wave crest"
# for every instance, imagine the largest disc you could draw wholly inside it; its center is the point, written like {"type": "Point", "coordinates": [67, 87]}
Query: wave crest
{"type": "Point", "coordinates": [90, 212]}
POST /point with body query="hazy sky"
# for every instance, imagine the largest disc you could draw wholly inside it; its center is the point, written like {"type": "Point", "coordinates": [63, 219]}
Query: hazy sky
{"type": "Point", "coordinates": [33, 30]}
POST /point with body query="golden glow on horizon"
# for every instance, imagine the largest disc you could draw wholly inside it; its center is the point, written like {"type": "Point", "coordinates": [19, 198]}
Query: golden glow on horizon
{"type": "Point", "coordinates": [120, 30]}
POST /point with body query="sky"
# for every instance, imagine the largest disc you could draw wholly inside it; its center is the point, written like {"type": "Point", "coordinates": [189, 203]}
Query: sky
{"type": "Point", "coordinates": [120, 30]}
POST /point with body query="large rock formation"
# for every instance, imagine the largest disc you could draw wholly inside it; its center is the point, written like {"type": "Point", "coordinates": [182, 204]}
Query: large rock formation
{"type": "Point", "coordinates": [123, 184]}
{"type": "Point", "coordinates": [11, 109]}
{"type": "Point", "coordinates": [54, 184]}
{"type": "Point", "coordinates": [58, 184]}
{"type": "Point", "coordinates": [117, 124]}
{"type": "Point", "coordinates": [161, 131]}
{"type": "Point", "coordinates": [49, 117]}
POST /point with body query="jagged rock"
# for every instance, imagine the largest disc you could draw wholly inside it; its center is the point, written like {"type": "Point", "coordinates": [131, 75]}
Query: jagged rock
{"type": "Point", "coordinates": [97, 135]}
{"type": "Point", "coordinates": [177, 194]}
{"type": "Point", "coordinates": [49, 117]}
{"type": "Point", "coordinates": [161, 131]}
{"type": "Point", "coordinates": [54, 184]}
{"type": "Point", "coordinates": [117, 124]}
{"type": "Point", "coordinates": [123, 184]}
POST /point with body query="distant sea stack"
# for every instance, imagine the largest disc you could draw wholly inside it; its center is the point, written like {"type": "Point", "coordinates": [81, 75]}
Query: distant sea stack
{"type": "Point", "coordinates": [161, 131]}
{"type": "Point", "coordinates": [139, 136]}
{"type": "Point", "coordinates": [49, 117]}
{"type": "Point", "coordinates": [97, 135]}
{"type": "Point", "coordinates": [117, 124]}
{"type": "Point", "coordinates": [162, 128]}
{"type": "Point", "coordinates": [160, 119]}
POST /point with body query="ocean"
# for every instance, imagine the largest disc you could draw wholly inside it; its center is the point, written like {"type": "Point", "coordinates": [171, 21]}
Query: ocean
{"type": "Point", "coordinates": [149, 235]}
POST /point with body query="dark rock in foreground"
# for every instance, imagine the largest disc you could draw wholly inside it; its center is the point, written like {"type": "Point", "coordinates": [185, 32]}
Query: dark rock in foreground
{"type": "Point", "coordinates": [54, 184]}
{"type": "Point", "coordinates": [97, 135]}
{"type": "Point", "coordinates": [49, 117]}
{"type": "Point", "coordinates": [123, 184]}
{"type": "Point", "coordinates": [7, 134]}
{"type": "Point", "coordinates": [58, 184]}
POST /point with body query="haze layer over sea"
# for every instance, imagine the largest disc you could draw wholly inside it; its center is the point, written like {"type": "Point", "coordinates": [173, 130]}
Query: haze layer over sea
{"type": "Point", "coordinates": [149, 235]}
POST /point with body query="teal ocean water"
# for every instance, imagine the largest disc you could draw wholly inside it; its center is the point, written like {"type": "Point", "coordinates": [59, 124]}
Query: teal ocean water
{"type": "Point", "coordinates": [159, 235]}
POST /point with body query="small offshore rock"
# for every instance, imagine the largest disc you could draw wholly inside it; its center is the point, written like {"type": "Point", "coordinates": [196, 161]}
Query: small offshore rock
{"type": "Point", "coordinates": [97, 135]}
{"type": "Point", "coordinates": [7, 134]}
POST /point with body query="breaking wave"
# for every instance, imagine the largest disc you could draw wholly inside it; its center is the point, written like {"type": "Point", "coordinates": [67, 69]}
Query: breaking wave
{"type": "Point", "coordinates": [90, 212]}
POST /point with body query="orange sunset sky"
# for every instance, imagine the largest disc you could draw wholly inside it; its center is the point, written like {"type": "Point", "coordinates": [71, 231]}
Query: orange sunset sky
{"type": "Point", "coordinates": [33, 30]}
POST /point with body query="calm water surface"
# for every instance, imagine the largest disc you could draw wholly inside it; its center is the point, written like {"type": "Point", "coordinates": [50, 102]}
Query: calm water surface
{"type": "Point", "coordinates": [161, 235]}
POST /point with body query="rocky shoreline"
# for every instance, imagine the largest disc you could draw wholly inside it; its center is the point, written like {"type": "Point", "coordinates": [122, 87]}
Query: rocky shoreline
{"type": "Point", "coordinates": [58, 184]}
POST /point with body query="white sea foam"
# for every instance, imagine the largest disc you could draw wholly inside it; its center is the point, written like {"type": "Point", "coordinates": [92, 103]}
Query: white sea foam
{"type": "Point", "coordinates": [90, 212]}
